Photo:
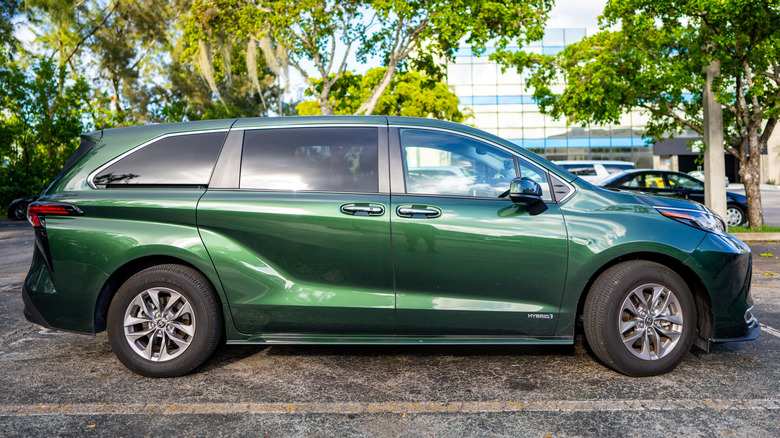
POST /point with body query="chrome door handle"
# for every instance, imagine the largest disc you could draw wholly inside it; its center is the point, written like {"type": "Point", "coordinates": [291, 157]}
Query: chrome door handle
{"type": "Point", "coordinates": [363, 210]}
{"type": "Point", "coordinates": [418, 212]}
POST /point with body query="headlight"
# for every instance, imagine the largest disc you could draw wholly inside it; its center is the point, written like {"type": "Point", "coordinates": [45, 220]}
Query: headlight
{"type": "Point", "coordinates": [704, 220]}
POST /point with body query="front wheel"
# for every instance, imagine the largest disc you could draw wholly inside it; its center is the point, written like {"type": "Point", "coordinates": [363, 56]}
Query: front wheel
{"type": "Point", "coordinates": [640, 318]}
{"type": "Point", "coordinates": [164, 321]}
{"type": "Point", "coordinates": [735, 216]}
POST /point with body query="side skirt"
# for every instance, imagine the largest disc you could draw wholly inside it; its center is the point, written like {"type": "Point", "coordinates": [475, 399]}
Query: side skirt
{"type": "Point", "coordinates": [282, 338]}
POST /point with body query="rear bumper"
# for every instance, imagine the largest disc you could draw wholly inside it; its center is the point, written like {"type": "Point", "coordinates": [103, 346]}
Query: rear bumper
{"type": "Point", "coordinates": [31, 312]}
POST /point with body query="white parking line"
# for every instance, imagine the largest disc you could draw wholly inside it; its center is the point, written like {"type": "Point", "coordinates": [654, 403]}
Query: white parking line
{"type": "Point", "coordinates": [770, 330]}
{"type": "Point", "coordinates": [388, 407]}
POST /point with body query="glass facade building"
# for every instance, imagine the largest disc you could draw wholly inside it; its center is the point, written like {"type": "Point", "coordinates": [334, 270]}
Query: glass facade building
{"type": "Point", "coordinates": [501, 104]}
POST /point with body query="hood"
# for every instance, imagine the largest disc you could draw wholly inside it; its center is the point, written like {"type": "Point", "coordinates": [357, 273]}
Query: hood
{"type": "Point", "coordinates": [671, 202]}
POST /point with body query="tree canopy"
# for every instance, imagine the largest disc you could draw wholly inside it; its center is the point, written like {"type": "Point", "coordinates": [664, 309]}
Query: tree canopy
{"type": "Point", "coordinates": [324, 34]}
{"type": "Point", "coordinates": [651, 55]}
{"type": "Point", "coordinates": [410, 94]}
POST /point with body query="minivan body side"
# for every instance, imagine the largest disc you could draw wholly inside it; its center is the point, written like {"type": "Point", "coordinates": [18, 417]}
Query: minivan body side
{"type": "Point", "coordinates": [309, 263]}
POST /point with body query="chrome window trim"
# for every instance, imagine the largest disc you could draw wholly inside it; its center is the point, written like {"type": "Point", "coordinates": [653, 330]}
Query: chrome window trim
{"type": "Point", "coordinates": [316, 125]}
{"type": "Point", "coordinates": [91, 177]}
{"type": "Point", "coordinates": [499, 146]}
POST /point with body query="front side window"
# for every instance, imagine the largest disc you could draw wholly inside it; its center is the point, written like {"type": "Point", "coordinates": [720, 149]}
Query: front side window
{"type": "Point", "coordinates": [335, 159]}
{"type": "Point", "coordinates": [179, 160]}
{"type": "Point", "coordinates": [440, 163]}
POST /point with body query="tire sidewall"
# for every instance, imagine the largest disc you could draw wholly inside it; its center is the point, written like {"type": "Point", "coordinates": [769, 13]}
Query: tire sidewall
{"type": "Point", "coordinates": [653, 274]}
{"type": "Point", "coordinates": [205, 326]}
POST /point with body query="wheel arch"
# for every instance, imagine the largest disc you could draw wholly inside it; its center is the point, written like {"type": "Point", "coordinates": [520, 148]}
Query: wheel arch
{"type": "Point", "coordinates": [124, 272]}
{"type": "Point", "coordinates": [704, 315]}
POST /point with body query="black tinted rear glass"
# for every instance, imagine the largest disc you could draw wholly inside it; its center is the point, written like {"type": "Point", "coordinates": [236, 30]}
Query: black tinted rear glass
{"type": "Point", "coordinates": [317, 159]}
{"type": "Point", "coordinates": [180, 160]}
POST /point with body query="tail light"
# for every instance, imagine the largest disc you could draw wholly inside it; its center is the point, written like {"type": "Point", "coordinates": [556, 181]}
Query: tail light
{"type": "Point", "coordinates": [37, 210]}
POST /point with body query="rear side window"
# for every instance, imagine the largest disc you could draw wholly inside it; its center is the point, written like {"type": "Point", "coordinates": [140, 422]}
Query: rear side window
{"type": "Point", "coordinates": [311, 159]}
{"type": "Point", "coordinates": [175, 161]}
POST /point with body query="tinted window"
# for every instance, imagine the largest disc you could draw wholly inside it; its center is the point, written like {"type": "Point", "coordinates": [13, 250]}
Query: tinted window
{"type": "Point", "coordinates": [439, 163]}
{"type": "Point", "coordinates": [180, 160]}
{"type": "Point", "coordinates": [321, 159]}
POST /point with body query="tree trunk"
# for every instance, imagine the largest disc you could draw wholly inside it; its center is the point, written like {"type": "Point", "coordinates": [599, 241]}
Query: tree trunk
{"type": "Point", "coordinates": [750, 173]}
{"type": "Point", "coordinates": [369, 105]}
{"type": "Point", "coordinates": [115, 84]}
{"type": "Point", "coordinates": [326, 109]}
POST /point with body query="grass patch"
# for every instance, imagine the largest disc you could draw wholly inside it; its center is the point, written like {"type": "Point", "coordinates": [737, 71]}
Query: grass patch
{"type": "Point", "coordinates": [762, 229]}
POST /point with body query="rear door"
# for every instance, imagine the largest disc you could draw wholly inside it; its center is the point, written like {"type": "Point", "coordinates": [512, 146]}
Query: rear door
{"type": "Point", "coordinates": [299, 231]}
{"type": "Point", "coordinates": [467, 261]}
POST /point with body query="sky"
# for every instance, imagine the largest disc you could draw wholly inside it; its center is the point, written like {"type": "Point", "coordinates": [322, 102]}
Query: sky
{"type": "Point", "coordinates": [576, 13]}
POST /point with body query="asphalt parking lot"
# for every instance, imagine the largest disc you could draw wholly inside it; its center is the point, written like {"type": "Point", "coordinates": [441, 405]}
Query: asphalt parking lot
{"type": "Point", "coordinates": [62, 384]}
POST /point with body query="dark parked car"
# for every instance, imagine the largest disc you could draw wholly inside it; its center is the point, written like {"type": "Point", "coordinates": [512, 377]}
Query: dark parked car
{"type": "Point", "coordinates": [680, 185]}
{"type": "Point", "coordinates": [323, 230]}
{"type": "Point", "coordinates": [17, 210]}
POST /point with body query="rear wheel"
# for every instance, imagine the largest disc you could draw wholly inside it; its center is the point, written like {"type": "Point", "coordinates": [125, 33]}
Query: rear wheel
{"type": "Point", "coordinates": [640, 318]}
{"type": "Point", "coordinates": [18, 211]}
{"type": "Point", "coordinates": [164, 321]}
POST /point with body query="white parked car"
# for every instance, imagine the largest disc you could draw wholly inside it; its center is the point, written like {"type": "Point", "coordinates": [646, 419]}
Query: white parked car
{"type": "Point", "coordinates": [699, 174]}
{"type": "Point", "coordinates": [594, 170]}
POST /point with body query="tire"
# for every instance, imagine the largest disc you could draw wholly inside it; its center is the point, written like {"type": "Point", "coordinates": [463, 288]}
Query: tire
{"type": "Point", "coordinates": [174, 341]}
{"type": "Point", "coordinates": [18, 212]}
{"type": "Point", "coordinates": [623, 334]}
{"type": "Point", "coordinates": [735, 215]}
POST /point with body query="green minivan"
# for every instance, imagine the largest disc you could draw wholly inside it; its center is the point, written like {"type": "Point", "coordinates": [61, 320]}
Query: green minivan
{"type": "Point", "coordinates": [322, 230]}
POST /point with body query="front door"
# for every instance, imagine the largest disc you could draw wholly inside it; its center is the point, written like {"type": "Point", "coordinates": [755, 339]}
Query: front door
{"type": "Point", "coordinates": [468, 261]}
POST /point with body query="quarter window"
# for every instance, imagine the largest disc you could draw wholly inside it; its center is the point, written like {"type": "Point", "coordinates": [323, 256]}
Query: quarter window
{"type": "Point", "coordinates": [180, 160]}
{"type": "Point", "coordinates": [311, 159]}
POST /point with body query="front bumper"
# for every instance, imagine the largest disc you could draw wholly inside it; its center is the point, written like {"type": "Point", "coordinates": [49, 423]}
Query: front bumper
{"type": "Point", "coordinates": [724, 265]}
{"type": "Point", "coordinates": [753, 331]}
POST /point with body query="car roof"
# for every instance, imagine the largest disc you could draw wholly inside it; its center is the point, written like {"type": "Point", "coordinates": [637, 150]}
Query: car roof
{"type": "Point", "coordinates": [592, 162]}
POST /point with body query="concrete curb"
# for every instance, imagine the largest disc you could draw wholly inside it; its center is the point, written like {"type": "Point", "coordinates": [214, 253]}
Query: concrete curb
{"type": "Point", "coordinates": [755, 237]}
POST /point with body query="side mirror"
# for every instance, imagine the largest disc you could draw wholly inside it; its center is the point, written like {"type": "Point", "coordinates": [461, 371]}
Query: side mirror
{"type": "Point", "coordinates": [527, 191]}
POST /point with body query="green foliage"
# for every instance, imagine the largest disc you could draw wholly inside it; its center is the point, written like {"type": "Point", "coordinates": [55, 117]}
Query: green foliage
{"type": "Point", "coordinates": [651, 55]}
{"type": "Point", "coordinates": [8, 8]}
{"type": "Point", "coordinates": [410, 94]}
{"type": "Point", "coordinates": [762, 229]}
{"type": "Point", "coordinates": [323, 33]}
{"type": "Point", "coordinates": [39, 126]}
